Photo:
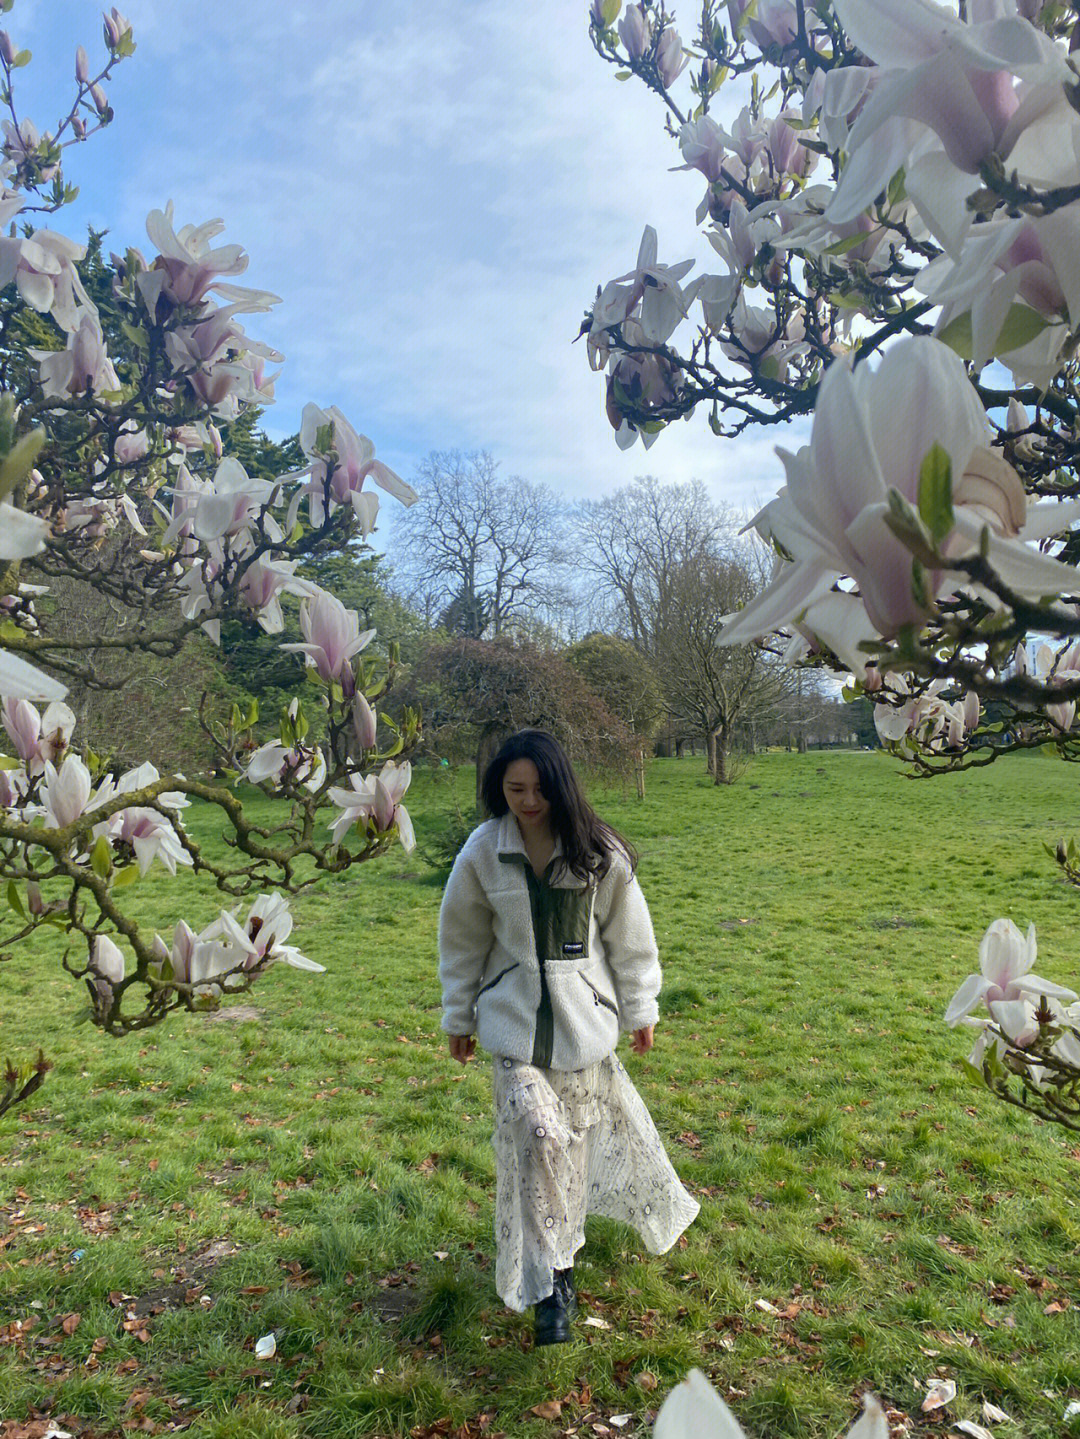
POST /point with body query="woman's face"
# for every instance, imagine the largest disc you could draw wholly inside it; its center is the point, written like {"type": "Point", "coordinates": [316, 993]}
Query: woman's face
{"type": "Point", "coordinates": [521, 786]}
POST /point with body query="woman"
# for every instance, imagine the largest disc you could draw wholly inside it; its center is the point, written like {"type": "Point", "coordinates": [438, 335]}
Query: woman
{"type": "Point", "coordinates": [547, 953]}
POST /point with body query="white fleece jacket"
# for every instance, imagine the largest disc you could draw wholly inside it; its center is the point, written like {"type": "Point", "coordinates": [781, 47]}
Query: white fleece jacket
{"type": "Point", "coordinates": [489, 968]}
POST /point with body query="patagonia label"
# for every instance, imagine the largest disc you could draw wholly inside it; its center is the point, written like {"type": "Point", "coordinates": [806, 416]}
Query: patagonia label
{"type": "Point", "coordinates": [573, 950]}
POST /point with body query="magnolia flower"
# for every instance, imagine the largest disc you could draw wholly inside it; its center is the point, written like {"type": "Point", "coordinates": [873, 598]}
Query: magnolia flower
{"type": "Point", "coordinates": [1019, 282]}
{"type": "Point", "coordinates": [131, 444]}
{"type": "Point", "coordinates": [649, 381]}
{"type": "Point", "coordinates": [232, 503]}
{"type": "Point", "coordinates": [179, 955]}
{"type": "Point", "coordinates": [65, 792]}
{"type": "Point", "coordinates": [38, 740]}
{"type": "Point", "coordinates": [771, 23]}
{"type": "Point", "coordinates": [83, 366]}
{"type": "Point", "coordinates": [671, 58]}
{"type": "Point", "coordinates": [694, 1410]}
{"type": "Point", "coordinates": [13, 785]}
{"type": "Point", "coordinates": [260, 940]}
{"type": "Point", "coordinates": [43, 268]}
{"type": "Point", "coordinates": [757, 336]}
{"type": "Point", "coordinates": [375, 798]}
{"type": "Point", "coordinates": [216, 335]}
{"type": "Point", "coordinates": [1059, 668]}
{"type": "Point", "coordinates": [947, 100]}
{"type": "Point", "coordinates": [871, 434]}
{"type": "Point", "coordinates": [23, 146]}
{"type": "Point", "coordinates": [937, 723]}
{"type": "Point", "coordinates": [1005, 960]}
{"type": "Point", "coordinates": [836, 97]}
{"type": "Point", "coordinates": [656, 289]}
{"type": "Point", "coordinates": [263, 582]}
{"type": "Point", "coordinates": [148, 834]}
{"type": "Point", "coordinates": [789, 156]}
{"type": "Point", "coordinates": [281, 764]}
{"type": "Point", "coordinates": [742, 237]}
{"type": "Point", "coordinates": [338, 469]}
{"type": "Point", "coordinates": [635, 31]}
{"type": "Point", "coordinates": [187, 267]}
{"type": "Point", "coordinates": [332, 634]}
{"type": "Point", "coordinates": [116, 27]}
{"type": "Point", "coordinates": [365, 722]}
{"type": "Point", "coordinates": [107, 965]}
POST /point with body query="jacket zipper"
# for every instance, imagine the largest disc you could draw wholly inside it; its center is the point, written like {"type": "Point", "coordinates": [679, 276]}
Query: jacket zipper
{"type": "Point", "coordinates": [493, 982]}
{"type": "Point", "coordinates": [598, 998]}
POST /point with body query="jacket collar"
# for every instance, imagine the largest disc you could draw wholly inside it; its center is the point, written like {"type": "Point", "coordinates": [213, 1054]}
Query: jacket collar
{"type": "Point", "coordinates": [511, 850]}
{"type": "Point", "coordinates": [511, 846]}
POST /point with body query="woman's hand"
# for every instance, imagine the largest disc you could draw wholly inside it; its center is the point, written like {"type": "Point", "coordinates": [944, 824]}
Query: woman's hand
{"type": "Point", "coordinates": [463, 1047]}
{"type": "Point", "coordinates": [642, 1040]}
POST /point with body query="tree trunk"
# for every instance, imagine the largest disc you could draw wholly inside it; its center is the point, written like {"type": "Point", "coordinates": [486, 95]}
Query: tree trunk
{"type": "Point", "coordinates": [710, 754]}
{"type": "Point", "coordinates": [487, 746]}
{"type": "Point", "coordinates": [802, 742]}
{"type": "Point", "coordinates": [721, 742]}
{"type": "Point", "coordinates": [639, 773]}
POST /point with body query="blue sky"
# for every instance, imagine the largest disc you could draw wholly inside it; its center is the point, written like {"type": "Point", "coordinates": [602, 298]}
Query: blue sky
{"type": "Point", "coordinates": [435, 189]}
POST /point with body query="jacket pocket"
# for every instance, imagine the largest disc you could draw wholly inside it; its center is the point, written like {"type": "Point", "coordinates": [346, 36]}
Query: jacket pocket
{"type": "Point", "coordinates": [493, 982]}
{"type": "Point", "coordinates": [599, 998]}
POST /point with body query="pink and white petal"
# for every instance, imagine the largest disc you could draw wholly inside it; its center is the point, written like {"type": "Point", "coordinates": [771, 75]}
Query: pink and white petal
{"type": "Point", "coordinates": [1016, 1019]}
{"type": "Point", "coordinates": [1051, 517]}
{"type": "Point", "coordinates": [405, 829]}
{"type": "Point", "coordinates": [1031, 984]}
{"type": "Point", "coordinates": [884, 573]}
{"type": "Point", "coordinates": [776, 605]}
{"type": "Point", "coordinates": [870, 168]}
{"type": "Point", "coordinates": [21, 681]}
{"type": "Point", "coordinates": [840, 623]}
{"type": "Point", "coordinates": [1025, 570]}
{"type": "Point", "coordinates": [289, 954]}
{"type": "Point", "coordinates": [21, 535]}
{"type": "Point", "coordinates": [695, 1408]}
{"type": "Point", "coordinates": [973, 989]}
{"type": "Point", "coordinates": [939, 192]}
{"type": "Point", "coordinates": [872, 1424]}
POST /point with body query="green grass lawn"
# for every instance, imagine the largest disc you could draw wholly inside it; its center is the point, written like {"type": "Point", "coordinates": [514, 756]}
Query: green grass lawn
{"type": "Point", "coordinates": [322, 1169]}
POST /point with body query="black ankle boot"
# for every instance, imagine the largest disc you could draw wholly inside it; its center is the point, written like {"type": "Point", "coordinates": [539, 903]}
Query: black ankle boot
{"type": "Point", "coordinates": [564, 1283]}
{"type": "Point", "coordinates": [552, 1320]}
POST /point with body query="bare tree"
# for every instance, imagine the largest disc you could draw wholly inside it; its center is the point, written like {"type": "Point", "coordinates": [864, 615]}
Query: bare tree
{"type": "Point", "coordinates": [636, 541]}
{"type": "Point", "coordinates": [670, 565]}
{"type": "Point", "coordinates": [716, 685]}
{"type": "Point", "coordinates": [479, 553]}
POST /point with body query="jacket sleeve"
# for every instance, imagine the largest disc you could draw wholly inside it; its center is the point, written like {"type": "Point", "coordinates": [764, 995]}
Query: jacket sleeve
{"type": "Point", "coordinates": [466, 934]}
{"type": "Point", "coordinates": [630, 948]}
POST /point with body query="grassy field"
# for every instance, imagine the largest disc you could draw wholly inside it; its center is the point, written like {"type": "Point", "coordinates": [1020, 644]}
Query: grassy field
{"type": "Point", "coordinates": [322, 1170]}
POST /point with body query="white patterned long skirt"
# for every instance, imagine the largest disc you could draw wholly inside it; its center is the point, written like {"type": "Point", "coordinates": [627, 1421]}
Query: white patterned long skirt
{"type": "Point", "coordinates": [567, 1144]}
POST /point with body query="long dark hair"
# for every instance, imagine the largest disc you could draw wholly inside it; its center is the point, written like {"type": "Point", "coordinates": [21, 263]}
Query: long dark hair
{"type": "Point", "coordinates": [588, 842]}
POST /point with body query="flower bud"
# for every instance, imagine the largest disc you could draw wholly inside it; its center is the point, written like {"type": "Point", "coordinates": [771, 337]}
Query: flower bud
{"type": "Point", "coordinates": [872, 679]}
{"type": "Point", "coordinates": [82, 66]}
{"type": "Point", "coordinates": [79, 127]}
{"type": "Point", "coordinates": [364, 721]}
{"type": "Point", "coordinates": [101, 103]}
{"type": "Point", "coordinates": [34, 903]}
{"type": "Point", "coordinates": [111, 31]}
{"type": "Point", "coordinates": [7, 49]}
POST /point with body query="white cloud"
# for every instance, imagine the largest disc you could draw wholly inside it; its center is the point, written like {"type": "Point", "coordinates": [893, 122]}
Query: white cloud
{"type": "Point", "coordinates": [436, 190]}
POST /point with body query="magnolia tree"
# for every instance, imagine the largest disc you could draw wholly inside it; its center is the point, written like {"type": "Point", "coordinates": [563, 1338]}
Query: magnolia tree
{"type": "Point", "coordinates": [892, 194]}
{"type": "Point", "coordinates": [112, 476]}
